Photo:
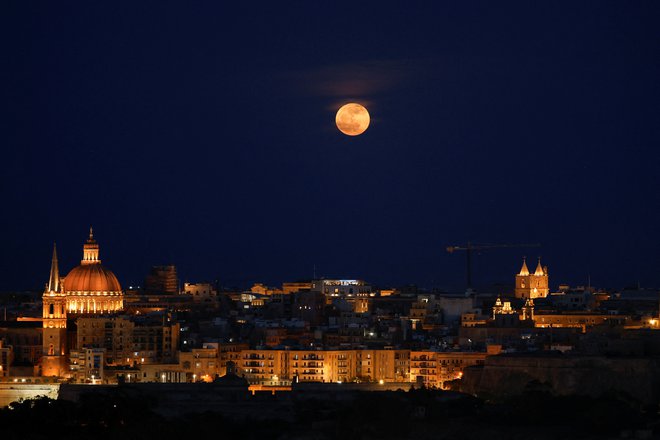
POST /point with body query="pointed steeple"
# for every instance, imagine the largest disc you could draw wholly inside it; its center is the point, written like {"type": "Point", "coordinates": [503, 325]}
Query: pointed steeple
{"type": "Point", "coordinates": [524, 271]}
{"type": "Point", "coordinates": [54, 280]}
{"type": "Point", "coordinates": [91, 234]}
{"type": "Point", "coordinates": [497, 308]}
{"type": "Point", "coordinates": [539, 272]}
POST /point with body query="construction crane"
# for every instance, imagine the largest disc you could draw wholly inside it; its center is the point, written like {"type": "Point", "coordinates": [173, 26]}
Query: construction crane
{"type": "Point", "coordinates": [480, 247]}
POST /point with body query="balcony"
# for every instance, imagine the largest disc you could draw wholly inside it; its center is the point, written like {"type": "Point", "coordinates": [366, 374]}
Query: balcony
{"type": "Point", "coordinates": [253, 364]}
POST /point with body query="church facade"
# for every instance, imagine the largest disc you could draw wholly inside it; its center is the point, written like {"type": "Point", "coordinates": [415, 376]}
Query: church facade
{"type": "Point", "coordinates": [87, 290]}
{"type": "Point", "coordinates": [532, 285]}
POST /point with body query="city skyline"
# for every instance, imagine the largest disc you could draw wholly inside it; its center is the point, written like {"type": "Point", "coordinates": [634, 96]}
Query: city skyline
{"type": "Point", "coordinates": [481, 261]}
{"type": "Point", "coordinates": [393, 220]}
{"type": "Point", "coordinates": [188, 137]}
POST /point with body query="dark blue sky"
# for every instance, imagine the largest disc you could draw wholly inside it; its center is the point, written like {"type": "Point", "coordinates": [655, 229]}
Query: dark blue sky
{"type": "Point", "coordinates": [203, 135]}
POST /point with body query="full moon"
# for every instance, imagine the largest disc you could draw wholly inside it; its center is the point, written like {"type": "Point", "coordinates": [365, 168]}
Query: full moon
{"type": "Point", "coordinates": [352, 119]}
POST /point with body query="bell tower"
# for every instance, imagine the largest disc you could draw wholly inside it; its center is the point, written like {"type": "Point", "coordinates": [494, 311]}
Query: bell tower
{"type": "Point", "coordinates": [53, 360]}
{"type": "Point", "coordinates": [528, 310]}
{"type": "Point", "coordinates": [532, 285]}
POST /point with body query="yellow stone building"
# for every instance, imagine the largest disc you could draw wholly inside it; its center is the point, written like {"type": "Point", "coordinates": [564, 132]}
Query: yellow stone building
{"type": "Point", "coordinates": [581, 320]}
{"type": "Point", "coordinates": [53, 361]}
{"type": "Point", "coordinates": [87, 290]}
{"type": "Point", "coordinates": [532, 285]}
{"type": "Point", "coordinates": [278, 367]}
{"type": "Point", "coordinates": [434, 368]}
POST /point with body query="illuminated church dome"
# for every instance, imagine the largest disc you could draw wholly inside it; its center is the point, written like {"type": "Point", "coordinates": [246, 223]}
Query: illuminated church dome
{"type": "Point", "coordinates": [90, 287]}
{"type": "Point", "coordinates": [91, 278]}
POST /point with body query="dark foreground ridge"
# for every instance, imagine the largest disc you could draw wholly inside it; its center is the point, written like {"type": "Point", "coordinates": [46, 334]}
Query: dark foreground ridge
{"type": "Point", "coordinates": [141, 412]}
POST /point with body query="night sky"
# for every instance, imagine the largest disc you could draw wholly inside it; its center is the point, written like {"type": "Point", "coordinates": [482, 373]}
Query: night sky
{"type": "Point", "coordinates": [202, 135]}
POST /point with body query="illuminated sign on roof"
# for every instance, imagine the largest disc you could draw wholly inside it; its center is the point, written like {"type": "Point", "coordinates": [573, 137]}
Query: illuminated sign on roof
{"type": "Point", "coordinates": [343, 282]}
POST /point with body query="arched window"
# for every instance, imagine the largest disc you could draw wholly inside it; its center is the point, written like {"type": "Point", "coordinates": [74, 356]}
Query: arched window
{"type": "Point", "coordinates": [51, 309]}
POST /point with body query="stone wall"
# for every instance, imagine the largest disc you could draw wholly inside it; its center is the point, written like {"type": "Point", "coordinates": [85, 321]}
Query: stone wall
{"type": "Point", "coordinates": [507, 375]}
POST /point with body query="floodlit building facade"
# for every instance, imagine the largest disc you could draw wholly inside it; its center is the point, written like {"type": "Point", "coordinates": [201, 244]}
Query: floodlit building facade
{"type": "Point", "coordinates": [532, 285]}
{"type": "Point", "coordinates": [434, 368]}
{"type": "Point", "coordinates": [286, 366]}
{"type": "Point", "coordinates": [87, 290]}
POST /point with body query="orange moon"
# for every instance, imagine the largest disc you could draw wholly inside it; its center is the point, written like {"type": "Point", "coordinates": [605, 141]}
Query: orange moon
{"type": "Point", "coordinates": [352, 119]}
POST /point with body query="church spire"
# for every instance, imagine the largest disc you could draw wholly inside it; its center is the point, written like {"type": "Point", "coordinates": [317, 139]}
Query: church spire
{"type": "Point", "coordinates": [54, 280]}
{"type": "Point", "coordinates": [524, 271]}
{"type": "Point", "coordinates": [539, 272]}
{"type": "Point", "coordinates": [91, 234]}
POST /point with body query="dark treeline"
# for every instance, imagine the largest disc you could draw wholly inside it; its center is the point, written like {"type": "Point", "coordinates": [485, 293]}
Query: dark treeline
{"type": "Point", "coordinates": [418, 414]}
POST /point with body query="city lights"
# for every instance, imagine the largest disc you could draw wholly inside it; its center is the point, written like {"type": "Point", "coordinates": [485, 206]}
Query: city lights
{"type": "Point", "coordinates": [315, 220]}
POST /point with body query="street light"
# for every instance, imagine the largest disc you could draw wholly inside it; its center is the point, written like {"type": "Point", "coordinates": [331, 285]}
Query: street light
{"type": "Point", "coordinates": [163, 377]}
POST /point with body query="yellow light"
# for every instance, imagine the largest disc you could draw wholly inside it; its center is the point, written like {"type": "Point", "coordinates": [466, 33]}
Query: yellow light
{"type": "Point", "coordinates": [381, 382]}
{"type": "Point", "coordinates": [352, 119]}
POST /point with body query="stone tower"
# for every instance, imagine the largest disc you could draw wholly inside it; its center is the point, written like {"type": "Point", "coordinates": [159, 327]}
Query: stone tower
{"type": "Point", "coordinates": [528, 310]}
{"type": "Point", "coordinates": [53, 361]}
{"type": "Point", "coordinates": [532, 285]}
